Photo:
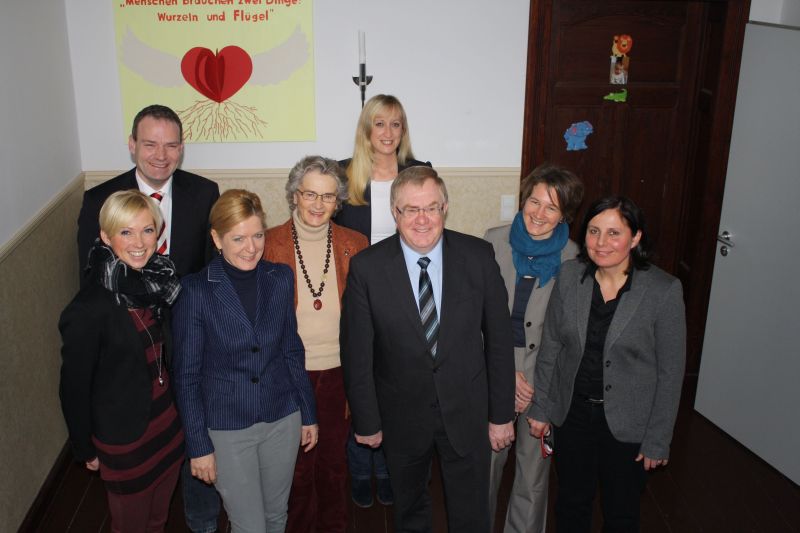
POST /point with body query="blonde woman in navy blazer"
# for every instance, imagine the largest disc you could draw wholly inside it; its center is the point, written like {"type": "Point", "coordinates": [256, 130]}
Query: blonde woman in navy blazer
{"type": "Point", "coordinates": [240, 377]}
{"type": "Point", "coordinates": [610, 369]}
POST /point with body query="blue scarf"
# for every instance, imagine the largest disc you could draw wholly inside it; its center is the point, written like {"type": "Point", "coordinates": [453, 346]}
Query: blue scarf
{"type": "Point", "coordinates": [538, 259]}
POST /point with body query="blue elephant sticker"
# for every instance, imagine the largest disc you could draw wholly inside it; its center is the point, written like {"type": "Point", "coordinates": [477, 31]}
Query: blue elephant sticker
{"type": "Point", "coordinates": [576, 135]}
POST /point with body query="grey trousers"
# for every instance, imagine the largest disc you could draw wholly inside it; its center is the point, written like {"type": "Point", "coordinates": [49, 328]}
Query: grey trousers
{"type": "Point", "coordinates": [527, 505]}
{"type": "Point", "coordinates": [255, 467]}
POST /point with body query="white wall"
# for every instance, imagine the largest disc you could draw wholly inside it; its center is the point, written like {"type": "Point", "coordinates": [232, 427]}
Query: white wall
{"type": "Point", "coordinates": [790, 14]}
{"type": "Point", "coordinates": [458, 66]}
{"type": "Point", "coordinates": [784, 12]}
{"type": "Point", "coordinates": [39, 149]}
{"type": "Point", "coordinates": [766, 11]}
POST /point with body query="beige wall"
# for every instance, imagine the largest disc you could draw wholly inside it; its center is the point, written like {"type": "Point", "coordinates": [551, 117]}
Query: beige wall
{"type": "Point", "coordinates": [38, 276]}
{"type": "Point", "coordinates": [474, 192]}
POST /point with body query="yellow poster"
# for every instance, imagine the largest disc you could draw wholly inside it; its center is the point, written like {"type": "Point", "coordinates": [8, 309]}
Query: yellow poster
{"type": "Point", "coordinates": [234, 70]}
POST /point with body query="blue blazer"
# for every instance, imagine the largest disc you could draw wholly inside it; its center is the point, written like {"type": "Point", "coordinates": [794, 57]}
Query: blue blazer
{"type": "Point", "coordinates": [228, 373]}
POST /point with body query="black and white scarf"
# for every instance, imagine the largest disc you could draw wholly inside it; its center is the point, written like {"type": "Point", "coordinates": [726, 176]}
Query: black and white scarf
{"type": "Point", "coordinates": [155, 286]}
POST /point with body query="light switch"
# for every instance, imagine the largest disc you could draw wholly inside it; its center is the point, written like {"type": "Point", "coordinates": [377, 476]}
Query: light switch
{"type": "Point", "coordinates": [508, 207]}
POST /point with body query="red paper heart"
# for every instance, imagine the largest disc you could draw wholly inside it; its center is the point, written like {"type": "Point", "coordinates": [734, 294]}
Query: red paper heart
{"type": "Point", "coordinates": [217, 76]}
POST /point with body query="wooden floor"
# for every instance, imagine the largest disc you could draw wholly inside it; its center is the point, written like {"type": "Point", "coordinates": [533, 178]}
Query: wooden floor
{"type": "Point", "coordinates": [712, 484]}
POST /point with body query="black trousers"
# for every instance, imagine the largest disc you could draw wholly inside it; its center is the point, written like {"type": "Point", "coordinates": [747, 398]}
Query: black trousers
{"type": "Point", "coordinates": [465, 480]}
{"type": "Point", "coordinates": [587, 453]}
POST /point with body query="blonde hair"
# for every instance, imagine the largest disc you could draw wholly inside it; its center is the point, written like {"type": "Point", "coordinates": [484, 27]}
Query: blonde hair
{"type": "Point", "coordinates": [121, 208]}
{"type": "Point", "coordinates": [234, 207]}
{"type": "Point", "coordinates": [360, 167]}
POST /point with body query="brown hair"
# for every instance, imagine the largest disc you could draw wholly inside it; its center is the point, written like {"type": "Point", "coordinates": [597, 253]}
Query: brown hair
{"type": "Point", "coordinates": [567, 186]}
{"type": "Point", "coordinates": [158, 112]}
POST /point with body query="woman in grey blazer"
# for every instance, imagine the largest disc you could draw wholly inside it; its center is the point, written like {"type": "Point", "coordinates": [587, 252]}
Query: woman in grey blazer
{"type": "Point", "coordinates": [609, 373]}
{"type": "Point", "coordinates": [530, 252]}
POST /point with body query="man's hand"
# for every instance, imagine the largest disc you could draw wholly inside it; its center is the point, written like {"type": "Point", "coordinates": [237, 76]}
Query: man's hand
{"type": "Point", "coordinates": [93, 465]}
{"type": "Point", "coordinates": [373, 441]}
{"type": "Point", "coordinates": [523, 394]}
{"type": "Point", "coordinates": [501, 435]}
{"type": "Point", "coordinates": [204, 468]}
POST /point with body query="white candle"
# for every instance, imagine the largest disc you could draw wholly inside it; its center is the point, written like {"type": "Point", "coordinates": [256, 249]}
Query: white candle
{"type": "Point", "coordinates": [362, 48]}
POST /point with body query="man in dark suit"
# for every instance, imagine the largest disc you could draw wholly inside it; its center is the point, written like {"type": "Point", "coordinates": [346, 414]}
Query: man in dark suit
{"type": "Point", "coordinates": [428, 358]}
{"type": "Point", "coordinates": [156, 146]}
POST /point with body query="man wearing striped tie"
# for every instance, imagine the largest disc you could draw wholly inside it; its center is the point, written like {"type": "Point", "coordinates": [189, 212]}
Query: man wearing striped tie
{"type": "Point", "coordinates": [427, 353]}
{"type": "Point", "coordinates": [156, 146]}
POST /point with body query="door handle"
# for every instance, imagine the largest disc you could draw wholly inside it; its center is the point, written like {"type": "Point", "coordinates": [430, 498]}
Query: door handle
{"type": "Point", "coordinates": [725, 238]}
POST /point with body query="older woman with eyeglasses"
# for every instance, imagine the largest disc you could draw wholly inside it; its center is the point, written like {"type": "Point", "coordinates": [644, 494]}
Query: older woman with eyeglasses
{"type": "Point", "coordinates": [319, 252]}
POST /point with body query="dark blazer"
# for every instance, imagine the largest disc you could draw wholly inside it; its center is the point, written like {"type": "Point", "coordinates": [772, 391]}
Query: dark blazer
{"type": "Point", "coordinates": [106, 388]}
{"type": "Point", "coordinates": [359, 217]}
{"type": "Point", "coordinates": [392, 382]}
{"type": "Point", "coordinates": [644, 356]}
{"type": "Point", "coordinates": [230, 374]}
{"type": "Point", "coordinates": [192, 198]}
{"type": "Point", "coordinates": [279, 248]}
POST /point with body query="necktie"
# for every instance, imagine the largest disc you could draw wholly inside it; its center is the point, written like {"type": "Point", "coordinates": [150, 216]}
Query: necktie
{"type": "Point", "coordinates": [427, 307]}
{"type": "Point", "coordinates": [162, 237]}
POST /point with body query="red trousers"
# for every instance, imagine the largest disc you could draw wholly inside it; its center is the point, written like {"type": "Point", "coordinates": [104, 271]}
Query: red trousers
{"type": "Point", "coordinates": [318, 501]}
{"type": "Point", "coordinates": [145, 511]}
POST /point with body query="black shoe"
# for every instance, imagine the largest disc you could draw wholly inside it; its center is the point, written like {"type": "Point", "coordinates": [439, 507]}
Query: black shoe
{"type": "Point", "coordinates": [362, 492]}
{"type": "Point", "coordinates": [385, 494]}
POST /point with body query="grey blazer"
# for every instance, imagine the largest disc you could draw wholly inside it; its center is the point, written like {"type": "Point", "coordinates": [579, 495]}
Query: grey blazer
{"type": "Point", "coordinates": [525, 358]}
{"type": "Point", "coordinates": [644, 356]}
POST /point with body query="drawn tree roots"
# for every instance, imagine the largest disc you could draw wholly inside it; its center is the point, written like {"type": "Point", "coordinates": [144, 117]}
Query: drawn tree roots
{"type": "Point", "coordinates": [208, 120]}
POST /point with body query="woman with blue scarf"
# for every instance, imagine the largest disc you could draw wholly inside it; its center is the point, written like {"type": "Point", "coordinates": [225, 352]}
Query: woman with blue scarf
{"type": "Point", "coordinates": [530, 252]}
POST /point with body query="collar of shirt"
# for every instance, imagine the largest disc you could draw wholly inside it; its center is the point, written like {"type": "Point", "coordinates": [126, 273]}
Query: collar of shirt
{"type": "Point", "coordinates": [166, 204]}
{"type": "Point", "coordinates": [434, 271]}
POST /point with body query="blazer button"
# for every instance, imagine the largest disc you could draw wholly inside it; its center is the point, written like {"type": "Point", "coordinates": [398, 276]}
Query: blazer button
{"type": "Point", "coordinates": [254, 349]}
{"type": "Point", "coordinates": [254, 379]}
{"type": "Point", "coordinates": [527, 324]}
{"type": "Point", "coordinates": [608, 364]}
{"type": "Point", "coordinates": [531, 346]}
{"type": "Point", "coordinates": [608, 388]}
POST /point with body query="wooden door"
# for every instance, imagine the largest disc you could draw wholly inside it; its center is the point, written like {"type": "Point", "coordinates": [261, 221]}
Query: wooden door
{"type": "Point", "coordinates": [666, 146]}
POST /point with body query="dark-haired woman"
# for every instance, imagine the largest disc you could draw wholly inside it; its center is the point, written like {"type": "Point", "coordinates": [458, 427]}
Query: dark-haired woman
{"type": "Point", "coordinates": [609, 373]}
{"type": "Point", "coordinates": [530, 252]}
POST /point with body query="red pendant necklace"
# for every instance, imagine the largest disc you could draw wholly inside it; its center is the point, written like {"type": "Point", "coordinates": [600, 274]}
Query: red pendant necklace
{"type": "Point", "coordinates": [318, 293]}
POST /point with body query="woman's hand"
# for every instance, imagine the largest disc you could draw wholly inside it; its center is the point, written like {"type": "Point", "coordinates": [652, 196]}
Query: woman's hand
{"type": "Point", "coordinates": [93, 465]}
{"type": "Point", "coordinates": [309, 435]}
{"type": "Point", "coordinates": [524, 394]}
{"type": "Point", "coordinates": [538, 428]}
{"type": "Point", "coordinates": [204, 468]}
{"type": "Point", "coordinates": [651, 464]}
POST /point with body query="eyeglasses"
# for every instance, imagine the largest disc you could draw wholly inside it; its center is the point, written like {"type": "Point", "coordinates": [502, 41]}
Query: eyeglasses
{"type": "Point", "coordinates": [431, 211]}
{"type": "Point", "coordinates": [311, 196]}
